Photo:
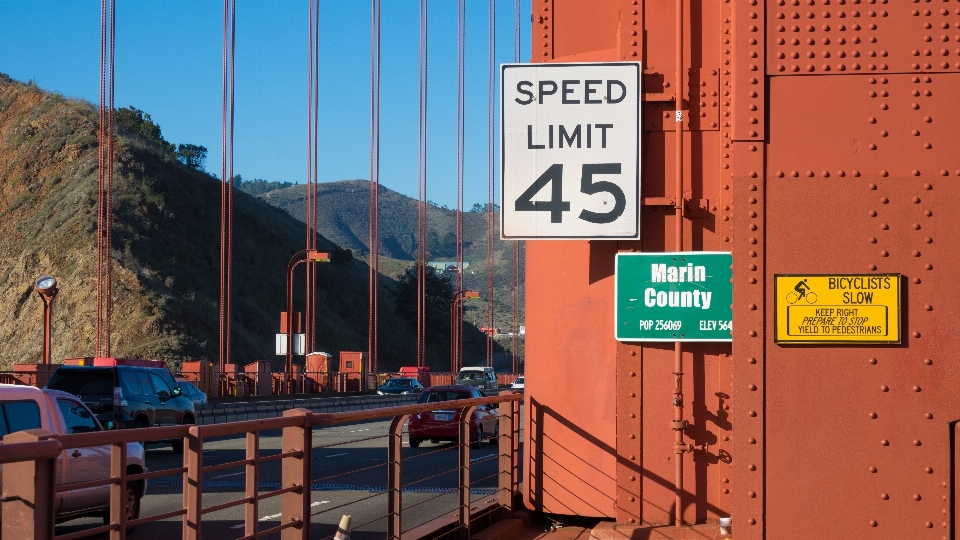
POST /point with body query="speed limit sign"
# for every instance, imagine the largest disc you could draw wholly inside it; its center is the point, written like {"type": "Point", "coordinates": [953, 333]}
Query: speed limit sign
{"type": "Point", "coordinates": [570, 150]}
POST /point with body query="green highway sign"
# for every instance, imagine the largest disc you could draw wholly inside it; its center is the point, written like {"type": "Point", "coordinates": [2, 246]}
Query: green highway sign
{"type": "Point", "coordinates": [674, 296]}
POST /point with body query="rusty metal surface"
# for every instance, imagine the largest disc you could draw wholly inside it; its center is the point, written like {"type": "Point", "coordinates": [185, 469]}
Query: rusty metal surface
{"type": "Point", "coordinates": [851, 170]}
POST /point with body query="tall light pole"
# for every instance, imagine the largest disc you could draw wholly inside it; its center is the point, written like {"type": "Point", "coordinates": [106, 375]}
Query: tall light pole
{"type": "Point", "coordinates": [456, 323]}
{"type": "Point", "coordinates": [308, 255]}
{"type": "Point", "coordinates": [46, 287]}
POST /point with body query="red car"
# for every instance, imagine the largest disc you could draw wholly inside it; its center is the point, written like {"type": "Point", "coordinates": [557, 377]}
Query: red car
{"type": "Point", "coordinates": [444, 424]}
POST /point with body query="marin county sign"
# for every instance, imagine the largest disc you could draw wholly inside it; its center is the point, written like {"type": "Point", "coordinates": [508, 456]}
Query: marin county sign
{"type": "Point", "coordinates": [674, 296]}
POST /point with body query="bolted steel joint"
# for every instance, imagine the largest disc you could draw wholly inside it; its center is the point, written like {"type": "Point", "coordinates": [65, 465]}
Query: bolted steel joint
{"type": "Point", "coordinates": [679, 425]}
{"type": "Point", "coordinates": [680, 448]}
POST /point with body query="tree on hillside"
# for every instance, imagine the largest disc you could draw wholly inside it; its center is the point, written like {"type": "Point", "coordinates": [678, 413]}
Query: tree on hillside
{"type": "Point", "coordinates": [192, 155]}
{"type": "Point", "coordinates": [439, 294]}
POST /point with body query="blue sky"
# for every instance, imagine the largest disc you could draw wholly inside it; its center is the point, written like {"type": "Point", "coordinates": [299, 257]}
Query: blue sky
{"type": "Point", "coordinates": [169, 62]}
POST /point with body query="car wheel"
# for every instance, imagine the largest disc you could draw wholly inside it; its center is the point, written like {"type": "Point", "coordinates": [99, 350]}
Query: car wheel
{"type": "Point", "coordinates": [178, 444]}
{"type": "Point", "coordinates": [415, 442]}
{"type": "Point", "coordinates": [496, 433]}
{"type": "Point", "coordinates": [131, 500]}
{"type": "Point", "coordinates": [479, 439]}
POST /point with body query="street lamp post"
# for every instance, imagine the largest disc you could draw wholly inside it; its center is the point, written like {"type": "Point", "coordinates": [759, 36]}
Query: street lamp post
{"type": "Point", "coordinates": [456, 323]}
{"type": "Point", "coordinates": [308, 255]}
{"type": "Point", "coordinates": [46, 287]}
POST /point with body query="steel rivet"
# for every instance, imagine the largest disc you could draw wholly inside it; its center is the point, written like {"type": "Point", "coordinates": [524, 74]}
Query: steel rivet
{"type": "Point", "coordinates": [929, 525]}
{"type": "Point", "coordinates": [915, 226]}
{"type": "Point", "coordinates": [873, 523]}
{"type": "Point", "coordinates": [916, 442]}
{"type": "Point", "coordinates": [857, 174]}
{"type": "Point", "coordinates": [871, 360]}
{"type": "Point", "coordinates": [794, 174]}
{"type": "Point", "coordinates": [928, 213]}
{"type": "Point", "coordinates": [916, 496]}
{"type": "Point", "coordinates": [884, 496]}
{"type": "Point", "coordinates": [929, 470]}
{"type": "Point", "coordinates": [751, 494]}
{"type": "Point", "coordinates": [884, 200]}
{"type": "Point", "coordinates": [632, 436]}
{"type": "Point", "coordinates": [873, 469]}
{"type": "Point", "coordinates": [752, 467]}
{"type": "Point", "coordinates": [872, 240]}
{"type": "Point", "coordinates": [884, 226]}
{"type": "Point", "coordinates": [751, 440]}
{"type": "Point", "coordinates": [884, 253]}
{"type": "Point", "coordinates": [873, 267]}
{"type": "Point", "coordinates": [871, 186]}
{"type": "Point", "coordinates": [873, 415]}
{"type": "Point", "coordinates": [928, 307]}
{"type": "Point", "coordinates": [752, 521]}
{"type": "Point", "coordinates": [753, 333]}
{"type": "Point", "coordinates": [916, 388]}
{"type": "Point", "coordinates": [884, 173]}
{"type": "Point", "coordinates": [885, 442]}
{"type": "Point", "coordinates": [633, 394]}
{"type": "Point", "coordinates": [752, 360]}
{"type": "Point", "coordinates": [928, 266]}
{"type": "Point", "coordinates": [884, 388]}
{"type": "Point", "coordinates": [916, 334]}
{"type": "Point", "coordinates": [915, 252]}
{"type": "Point", "coordinates": [752, 414]}
{"type": "Point", "coordinates": [752, 387]}
{"type": "Point", "coordinates": [928, 361]}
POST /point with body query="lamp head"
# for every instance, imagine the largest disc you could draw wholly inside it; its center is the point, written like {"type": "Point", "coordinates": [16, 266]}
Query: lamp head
{"type": "Point", "coordinates": [46, 285]}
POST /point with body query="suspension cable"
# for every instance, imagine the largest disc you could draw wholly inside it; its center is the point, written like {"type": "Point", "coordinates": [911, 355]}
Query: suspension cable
{"type": "Point", "coordinates": [491, 78]}
{"type": "Point", "coordinates": [422, 193]}
{"type": "Point", "coordinates": [313, 109]}
{"type": "Point", "coordinates": [457, 323]}
{"type": "Point", "coordinates": [226, 183]}
{"type": "Point", "coordinates": [517, 244]}
{"type": "Point", "coordinates": [374, 243]}
{"type": "Point", "coordinates": [105, 179]}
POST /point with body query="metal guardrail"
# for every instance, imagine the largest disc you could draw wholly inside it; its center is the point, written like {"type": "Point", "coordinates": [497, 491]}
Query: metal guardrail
{"type": "Point", "coordinates": [29, 458]}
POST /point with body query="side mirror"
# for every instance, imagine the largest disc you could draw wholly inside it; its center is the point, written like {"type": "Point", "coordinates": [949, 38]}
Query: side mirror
{"type": "Point", "coordinates": [110, 426]}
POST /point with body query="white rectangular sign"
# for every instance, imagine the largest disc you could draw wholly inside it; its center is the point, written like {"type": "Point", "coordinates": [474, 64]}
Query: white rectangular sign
{"type": "Point", "coordinates": [570, 150]}
{"type": "Point", "coordinates": [299, 341]}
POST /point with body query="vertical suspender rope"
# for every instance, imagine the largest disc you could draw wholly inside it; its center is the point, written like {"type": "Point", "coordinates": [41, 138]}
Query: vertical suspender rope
{"type": "Point", "coordinates": [457, 322]}
{"type": "Point", "coordinates": [374, 243]}
{"type": "Point", "coordinates": [422, 193]}
{"type": "Point", "coordinates": [226, 185]}
{"type": "Point", "coordinates": [105, 179]}
{"type": "Point", "coordinates": [313, 108]}
{"type": "Point", "coordinates": [678, 232]}
{"type": "Point", "coordinates": [491, 78]}
{"type": "Point", "coordinates": [515, 329]}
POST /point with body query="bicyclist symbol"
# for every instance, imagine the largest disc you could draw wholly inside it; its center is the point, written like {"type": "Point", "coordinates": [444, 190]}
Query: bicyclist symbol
{"type": "Point", "coordinates": [802, 290]}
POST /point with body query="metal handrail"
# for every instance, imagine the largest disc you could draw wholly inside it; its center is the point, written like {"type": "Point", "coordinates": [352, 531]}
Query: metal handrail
{"type": "Point", "coordinates": [28, 482]}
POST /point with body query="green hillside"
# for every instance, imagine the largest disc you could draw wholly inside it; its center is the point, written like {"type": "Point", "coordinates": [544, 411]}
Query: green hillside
{"type": "Point", "coordinates": [166, 250]}
{"type": "Point", "coordinates": [344, 214]}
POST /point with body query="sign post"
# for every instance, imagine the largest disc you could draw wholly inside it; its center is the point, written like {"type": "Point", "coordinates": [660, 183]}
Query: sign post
{"type": "Point", "coordinates": [570, 150]}
{"type": "Point", "coordinates": [674, 296]}
{"type": "Point", "coordinates": [837, 308]}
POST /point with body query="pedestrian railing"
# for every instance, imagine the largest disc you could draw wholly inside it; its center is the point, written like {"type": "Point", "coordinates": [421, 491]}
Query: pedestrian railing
{"type": "Point", "coordinates": [29, 459]}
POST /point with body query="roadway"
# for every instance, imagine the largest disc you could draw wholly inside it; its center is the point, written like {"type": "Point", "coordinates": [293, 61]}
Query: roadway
{"type": "Point", "coordinates": [349, 477]}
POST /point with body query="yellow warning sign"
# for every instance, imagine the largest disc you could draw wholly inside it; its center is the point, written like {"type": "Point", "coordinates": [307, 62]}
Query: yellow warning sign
{"type": "Point", "coordinates": [844, 308]}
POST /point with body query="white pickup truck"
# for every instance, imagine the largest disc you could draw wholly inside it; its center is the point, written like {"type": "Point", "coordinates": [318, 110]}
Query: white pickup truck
{"type": "Point", "coordinates": [26, 407]}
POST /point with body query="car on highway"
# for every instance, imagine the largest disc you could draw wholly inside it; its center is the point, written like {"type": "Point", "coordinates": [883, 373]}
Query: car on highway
{"type": "Point", "coordinates": [481, 377]}
{"type": "Point", "coordinates": [132, 397]}
{"type": "Point", "coordinates": [443, 424]}
{"type": "Point", "coordinates": [27, 407]}
{"type": "Point", "coordinates": [194, 394]}
{"type": "Point", "coordinates": [517, 384]}
{"type": "Point", "coordinates": [400, 385]}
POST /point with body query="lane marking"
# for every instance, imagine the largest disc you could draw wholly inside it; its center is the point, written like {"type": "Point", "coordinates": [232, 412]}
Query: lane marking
{"type": "Point", "coordinates": [275, 516]}
{"type": "Point", "coordinates": [336, 455]}
{"type": "Point", "coordinates": [228, 475]}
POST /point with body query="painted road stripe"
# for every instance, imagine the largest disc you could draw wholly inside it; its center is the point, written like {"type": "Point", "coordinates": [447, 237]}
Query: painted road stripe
{"type": "Point", "coordinates": [336, 455]}
{"type": "Point", "coordinates": [275, 516]}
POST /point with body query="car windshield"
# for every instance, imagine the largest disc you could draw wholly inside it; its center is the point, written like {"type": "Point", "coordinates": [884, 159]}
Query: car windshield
{"type": "Point", "coordinates": [82, 382]}
{"type": "Point", "coordinates": [434, 396]}
{"type": "Point", "coordinates": [520, 380]}
{"type": "Point", "coordinates": [398, 382]}
{"type": "Point", "coordinates": [471, 375]}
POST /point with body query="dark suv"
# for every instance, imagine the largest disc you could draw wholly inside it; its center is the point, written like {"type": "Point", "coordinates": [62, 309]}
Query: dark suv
{"type": "Point", "coordinates": [135, 397]}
